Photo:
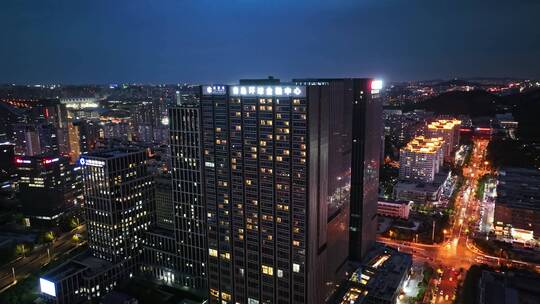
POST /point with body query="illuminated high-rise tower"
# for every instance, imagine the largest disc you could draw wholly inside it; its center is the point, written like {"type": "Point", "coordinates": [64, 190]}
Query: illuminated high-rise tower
{"type": "Point", "coordinates": [187, 195]}
{"type": "Point", "coordinates": [119, 202]}
{"type": "Point", "coordinates": [448, 130]}
{"type": "Point", "coordinates": [290, 185]}
{"type": "Point", "coordinates": [421, 159]}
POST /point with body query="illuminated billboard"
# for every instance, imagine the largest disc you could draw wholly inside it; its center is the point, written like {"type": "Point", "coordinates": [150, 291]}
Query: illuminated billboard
{"type": "Point", "coordinates": [47, 287]}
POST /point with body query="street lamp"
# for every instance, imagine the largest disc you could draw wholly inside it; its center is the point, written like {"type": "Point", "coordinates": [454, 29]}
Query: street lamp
{"type": "Point", "coordinates": [433, 232]}
{"type": "Point", "coordinates": [14, 277]}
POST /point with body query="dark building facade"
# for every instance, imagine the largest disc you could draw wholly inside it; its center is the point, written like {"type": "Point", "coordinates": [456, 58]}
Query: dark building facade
{"type": "Point", "coordinates": [52, 115]}
{"type": "Point", "coordinates": [50, 110]}
{"type": "Point", "coordinates": [46, 186]}
{"type": "Point", "coordinates": [7, 161]}
{"type": "Point", "coordinates": [48, 135]}
{"type": "Point", "coordinates": [164, 202]}
{"type": "Point", "coordinates": [88, 132]}
{"type": "Point", "coordinates": [367, 135]}
{"type": "Point", "coordinates": [187, 194]}
{"type": "Point", "coordinates": [517, 206]}
{"type": "Point", "coordinates": [26, 139]}
{"type": "Point", "coordinates": [9, 116]}
{"type": "Point", "coordinates": [150, 121]}
{"type": "Point", "coordinates": [37, 138]}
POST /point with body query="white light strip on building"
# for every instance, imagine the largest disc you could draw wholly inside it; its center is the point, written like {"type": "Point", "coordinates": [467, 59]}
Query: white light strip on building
{"type": "Point", "coordinates": [268, 91]}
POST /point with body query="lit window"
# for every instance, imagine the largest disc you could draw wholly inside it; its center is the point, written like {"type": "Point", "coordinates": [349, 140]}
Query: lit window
{"type": "Point", "coordinates": [225, 296]}
{"type": "Point", "coordinates": [267, 270]}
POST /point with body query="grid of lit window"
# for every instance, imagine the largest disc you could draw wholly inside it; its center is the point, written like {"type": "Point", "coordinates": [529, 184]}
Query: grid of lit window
{"type": "Point", "coordinates": [189, 210]}
{"type": "Point", "coordinates": [119, 200]}
{"type": "Point", "coordinates": [255, 177]}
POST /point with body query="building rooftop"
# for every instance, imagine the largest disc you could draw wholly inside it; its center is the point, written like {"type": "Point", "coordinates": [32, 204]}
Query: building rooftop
{"type": "Point", "coordinates": [400, 202]}
{"type": "Point", "coordinates": [509, 287]}
{"type": "Point", "coordinates": [116, 297]}
{"type": "Point", "coordinates": [412, 186]}
{"type": "Point", "coordinates": [85, 262]}
{"type": "Point", "coordinates": [115, 152]}
{"type": "Point", "coordinates": [519, 188]}
{"type": "Point", "coordinates": [69, 268]}
{"type": "Point", "coordinates": [446, 124]}
{"type": "Point", "coordinates": [421, 144]}
{"type": "Point", "coordinates": [379, 278]}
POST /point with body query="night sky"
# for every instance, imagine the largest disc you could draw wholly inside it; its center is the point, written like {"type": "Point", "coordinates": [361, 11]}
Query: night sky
{"type": "Point", "coordinates": [170, 41]}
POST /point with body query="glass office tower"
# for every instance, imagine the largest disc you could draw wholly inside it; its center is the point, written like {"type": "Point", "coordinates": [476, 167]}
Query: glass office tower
{"type": "Point", "coordinates": [119, 202]}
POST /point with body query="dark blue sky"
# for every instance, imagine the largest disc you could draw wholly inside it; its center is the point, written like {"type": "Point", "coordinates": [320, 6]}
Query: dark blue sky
{"type": "Point", "coordinates": [157, 41]}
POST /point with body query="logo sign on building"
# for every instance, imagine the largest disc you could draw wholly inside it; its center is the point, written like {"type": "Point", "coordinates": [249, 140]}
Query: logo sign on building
{"type": "Point", "coordinates": [268, 91]}
{"type": "Point", "coordinates": [91, 162]}
{"type": "Point", "coordinates": [214, 90]}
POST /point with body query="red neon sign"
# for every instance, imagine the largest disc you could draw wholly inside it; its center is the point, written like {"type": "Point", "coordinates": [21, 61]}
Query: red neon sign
{"type": "Point", "coordinates": [19, 160]}
{"type": "Point", "coordinates": [50, 160]}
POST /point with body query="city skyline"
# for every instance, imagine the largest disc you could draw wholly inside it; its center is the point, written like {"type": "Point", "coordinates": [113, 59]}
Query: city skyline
{"type": "Point", "coordinates": [207, 42]}
{"type": "Point", "coordinates": [266, 191]}
{"type": "Point", "coordinates": [269, 152]}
